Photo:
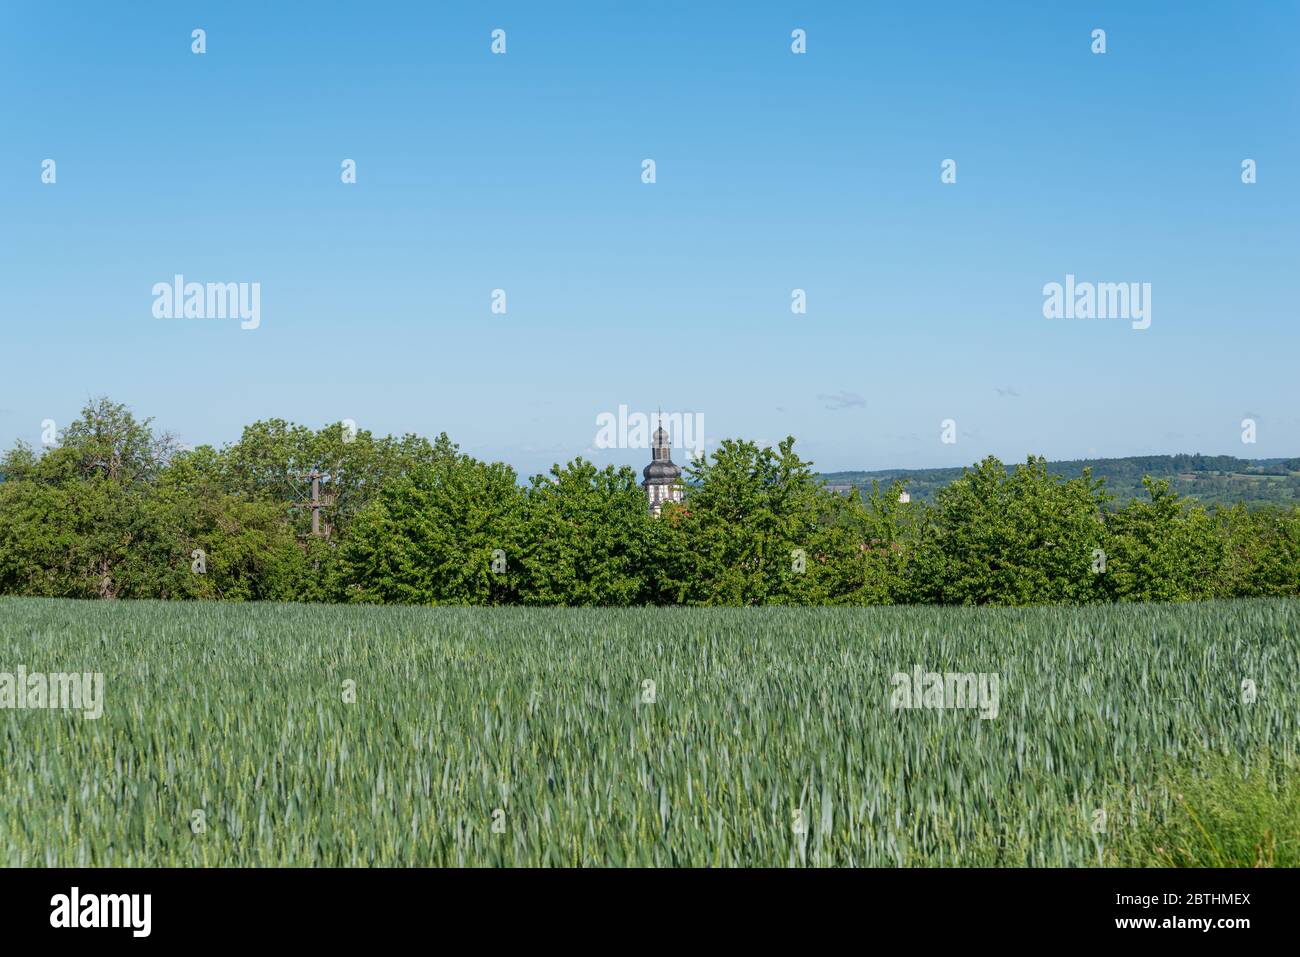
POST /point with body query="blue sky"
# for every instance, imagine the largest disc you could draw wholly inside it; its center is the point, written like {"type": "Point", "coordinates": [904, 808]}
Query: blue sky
{"type": "Point", "coordinates": [775, 171]}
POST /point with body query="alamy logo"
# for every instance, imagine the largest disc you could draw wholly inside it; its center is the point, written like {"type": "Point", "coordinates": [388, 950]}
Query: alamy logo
{"type": "Point", "coordinates": [623, 431]}
{"type": "Point", "coordinates": [214, 300]}
{"type": "Point", "coordinates": [102, 910]}
{"type": "Point", "coordinates": [65, 691]}
{"type": "Point", "coordinates": [939, 691]}
{"type": "Point", "coordinates": [1102, 300]}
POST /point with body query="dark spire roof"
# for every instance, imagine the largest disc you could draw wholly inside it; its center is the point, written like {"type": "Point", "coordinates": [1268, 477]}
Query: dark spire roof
{"type": "Point", "coordinates": [662, 473]}
{"type": "Point", "coordinates": [661, 470]}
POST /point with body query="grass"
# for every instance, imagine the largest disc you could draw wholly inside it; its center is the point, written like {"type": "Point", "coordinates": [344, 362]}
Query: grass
{"type": "Point", "coordinates": [770, 739]}
{"type": "Point", "coordinates": [1225, 812]}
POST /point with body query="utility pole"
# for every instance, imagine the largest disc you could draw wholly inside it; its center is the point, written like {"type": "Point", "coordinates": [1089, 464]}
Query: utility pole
{"type": "Point", "coordinates": [315, 504]}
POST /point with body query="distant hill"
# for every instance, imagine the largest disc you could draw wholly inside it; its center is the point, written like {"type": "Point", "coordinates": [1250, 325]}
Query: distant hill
{"type": "Point", "coordinates": [1212, 479]}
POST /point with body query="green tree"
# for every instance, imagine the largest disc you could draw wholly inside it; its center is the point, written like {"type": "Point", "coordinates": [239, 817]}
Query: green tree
{"type": "Point", "coordinates": [587, 537]}
{"type": "Point", "coordinates": [1165, 549]}
{"type": "Point", "coordinates": [245, 548]}
{"type": "Point", "coordinates": [746, 527]}
{"type": "Point", "coordinates": [1018, 539]}
{"type": "Point", "coordinates": [862, 547]}
{"type": "Point", "coordinates": [75, 522]}
{"type": "Point", "coordinates": [1261, 552]}
{"type": "Point", "coordinates": [274, 460]}
{"type": "Point", "coordinates": [429, 537]}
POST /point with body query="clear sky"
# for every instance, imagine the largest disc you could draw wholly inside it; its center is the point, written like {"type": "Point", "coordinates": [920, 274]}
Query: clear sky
{"type": "Point", "coordinates": [775, 171]}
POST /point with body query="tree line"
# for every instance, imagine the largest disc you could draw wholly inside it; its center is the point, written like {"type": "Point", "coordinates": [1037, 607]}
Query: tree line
{"type": "Point", "coordinates": [116, 509]}
{"type": "Point", "coordinates": [1210, 479]}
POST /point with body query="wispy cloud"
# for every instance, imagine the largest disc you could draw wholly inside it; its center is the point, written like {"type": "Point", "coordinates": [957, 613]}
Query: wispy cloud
{"type": "Point", "coordinates": [843, 400]}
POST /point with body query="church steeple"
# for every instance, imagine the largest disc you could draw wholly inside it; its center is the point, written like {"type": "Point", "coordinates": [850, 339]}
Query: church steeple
{"type": "Point", "coordinates": [662, 446]}
{"type": "Point", "coordinates": [662, 478]}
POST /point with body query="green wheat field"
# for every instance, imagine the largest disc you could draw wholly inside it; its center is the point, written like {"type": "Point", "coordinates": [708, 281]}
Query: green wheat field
{"type": "Point", "coordinates": [250, 735]}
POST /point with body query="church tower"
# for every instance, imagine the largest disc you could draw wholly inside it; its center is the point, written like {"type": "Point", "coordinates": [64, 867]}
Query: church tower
{"type": "Point", "coordinates": [663, 479]}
